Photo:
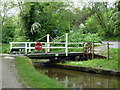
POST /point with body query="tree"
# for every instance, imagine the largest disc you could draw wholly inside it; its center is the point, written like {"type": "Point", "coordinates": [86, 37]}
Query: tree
{"type": "Point", "coordinates": [46, 16]}
{"type": "Point", "coordinates": [103, 19]}
{"type": "Point", "coordinates": [6, 21]}
{"type": "Point", "coordinates": [8, 30]}
{"type": "Point", "coordinates": [115, 18]}
{"type": "Point", "coordinates": [5, 8]}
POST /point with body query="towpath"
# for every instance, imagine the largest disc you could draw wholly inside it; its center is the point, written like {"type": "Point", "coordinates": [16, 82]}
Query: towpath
{"type": "Point", "coordinates": [115, 44]}
{"type": "Point", "coordinates": [9, 73]}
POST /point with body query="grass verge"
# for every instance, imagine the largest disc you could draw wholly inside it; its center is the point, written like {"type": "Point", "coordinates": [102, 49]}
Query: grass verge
{"type": "Point", "coordinates": [32, 77]}
{"type": "Point", "coordinates": [105, 64]}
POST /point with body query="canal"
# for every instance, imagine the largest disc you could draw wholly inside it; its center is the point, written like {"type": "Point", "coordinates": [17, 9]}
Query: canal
{"type": "Point", "coordinates": [77, 79]}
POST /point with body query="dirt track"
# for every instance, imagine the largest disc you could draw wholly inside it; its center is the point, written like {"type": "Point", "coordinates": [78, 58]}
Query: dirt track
{"type": "Point", "coordinates": [9, 74]}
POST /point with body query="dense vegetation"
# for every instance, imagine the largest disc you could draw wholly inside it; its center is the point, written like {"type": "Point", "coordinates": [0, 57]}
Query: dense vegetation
{"type": "Point", "coordinates": [90, 21]}
{"type": "Point", "coordinates": [36, 19]}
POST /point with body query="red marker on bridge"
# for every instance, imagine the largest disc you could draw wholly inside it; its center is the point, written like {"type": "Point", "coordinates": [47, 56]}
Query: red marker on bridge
{"type": "Point", "coordinates": [38, 46]}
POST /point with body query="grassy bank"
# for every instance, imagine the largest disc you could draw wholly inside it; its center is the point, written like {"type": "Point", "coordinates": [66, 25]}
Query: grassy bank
{"type": "Point", "coordinates": [111, 64]}
{"type": "Point", "coordinates": [32, 77]}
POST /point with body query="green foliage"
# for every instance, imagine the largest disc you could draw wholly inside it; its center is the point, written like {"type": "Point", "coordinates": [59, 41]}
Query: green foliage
{"type": "Point", "coordinates": [77, 36]}
{"type": "Point", "coordinates": [32, 77]}
{"type": "Point", "coordinates": [84, 37]}
{"type": "Point", "coordinates": [5, 48]}
{"type": "Point", "coordinates": [8, 30]}
{"type": "Point", "coordinates": [112, 38]}
{"type": "Point", "coordinates": [92, 25]}
{"type": "Point", "coordinates": [6, 18]}
{"type": "Point", "coordinates": [115, 18]}
{"type": "Point", "coordinates": [37, 19]}
{"type": "Point", "coordinates": [48, 16]}
{"type": "Point", "coordinates": [104, 21]}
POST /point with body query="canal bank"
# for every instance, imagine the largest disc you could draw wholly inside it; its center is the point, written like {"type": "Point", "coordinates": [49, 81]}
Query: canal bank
{"type": "Point", "coordinates": [107, 68]}
{"type": "Point", "coordinates": [33, 78]}
{"type": "Point", "coordinates": [100, 66]}
{"type": "Point", "coordinates": [87, 69]}
{"type": "Point", "coordinates": [78, 79]}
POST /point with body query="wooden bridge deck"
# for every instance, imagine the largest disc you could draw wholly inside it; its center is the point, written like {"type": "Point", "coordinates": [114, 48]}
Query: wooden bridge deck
{"type": "Point", "coordinates": [52, 55]}
{"type": "Point", "coordinates": [62, 55]}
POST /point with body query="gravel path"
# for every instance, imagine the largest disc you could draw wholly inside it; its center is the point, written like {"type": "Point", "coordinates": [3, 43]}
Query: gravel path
{"type": "Point", "coordinates": [9, 73]}
{"type": "Point", "coordinates": [115, 44]}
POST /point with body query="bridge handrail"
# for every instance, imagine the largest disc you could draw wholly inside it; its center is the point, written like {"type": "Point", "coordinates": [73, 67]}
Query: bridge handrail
{"type": "Point", "coordinates": [30, 47]}
{"type": "Point", "coordinates": [27, 45]}
{"type": "Point", "coordinates": [57, 43]}
{"type": "Point", "coordinates": [46, 42]}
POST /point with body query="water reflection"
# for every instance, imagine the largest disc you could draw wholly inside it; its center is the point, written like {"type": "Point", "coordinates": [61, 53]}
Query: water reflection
{"type": "Point", "coordinates": [76, 79]}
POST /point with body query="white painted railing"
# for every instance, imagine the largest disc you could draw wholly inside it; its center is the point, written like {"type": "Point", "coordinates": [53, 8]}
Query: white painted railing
{"type": "Point", "coordinates": [46, 45]}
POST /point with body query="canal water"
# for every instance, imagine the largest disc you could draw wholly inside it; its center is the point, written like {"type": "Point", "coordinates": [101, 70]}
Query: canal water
{"type": "Point", "coordinates": [77, 79]}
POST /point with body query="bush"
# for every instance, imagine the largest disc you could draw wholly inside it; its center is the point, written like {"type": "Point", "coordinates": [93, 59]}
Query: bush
{"type": "Point", "coordinates": [76, 36]}
{"type": "Point", "coordinates": [5, 48]}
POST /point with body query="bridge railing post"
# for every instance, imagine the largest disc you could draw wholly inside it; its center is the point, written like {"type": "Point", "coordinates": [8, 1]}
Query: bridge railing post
{"type": "Point", "coordinates": [108, 55]}
{"type": "Point", "coordinates": [25, 48]}
{"type": "Point", "coordinates": [66, 45]}
{"type": "Point", "coordinates": [10, 46]}
{"type": "Point", "coordinates": [93, 50]}
{"type": "Point", "coordinates": [29, 47]}
{"type": "Point", "coordinates": [45, 47]}
{"type": "Point", "coordinates": [48, 42]}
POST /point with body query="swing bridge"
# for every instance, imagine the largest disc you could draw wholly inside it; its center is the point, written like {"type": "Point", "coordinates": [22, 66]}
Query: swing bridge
{"type": "Point", "coordinates": [87, 50]}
